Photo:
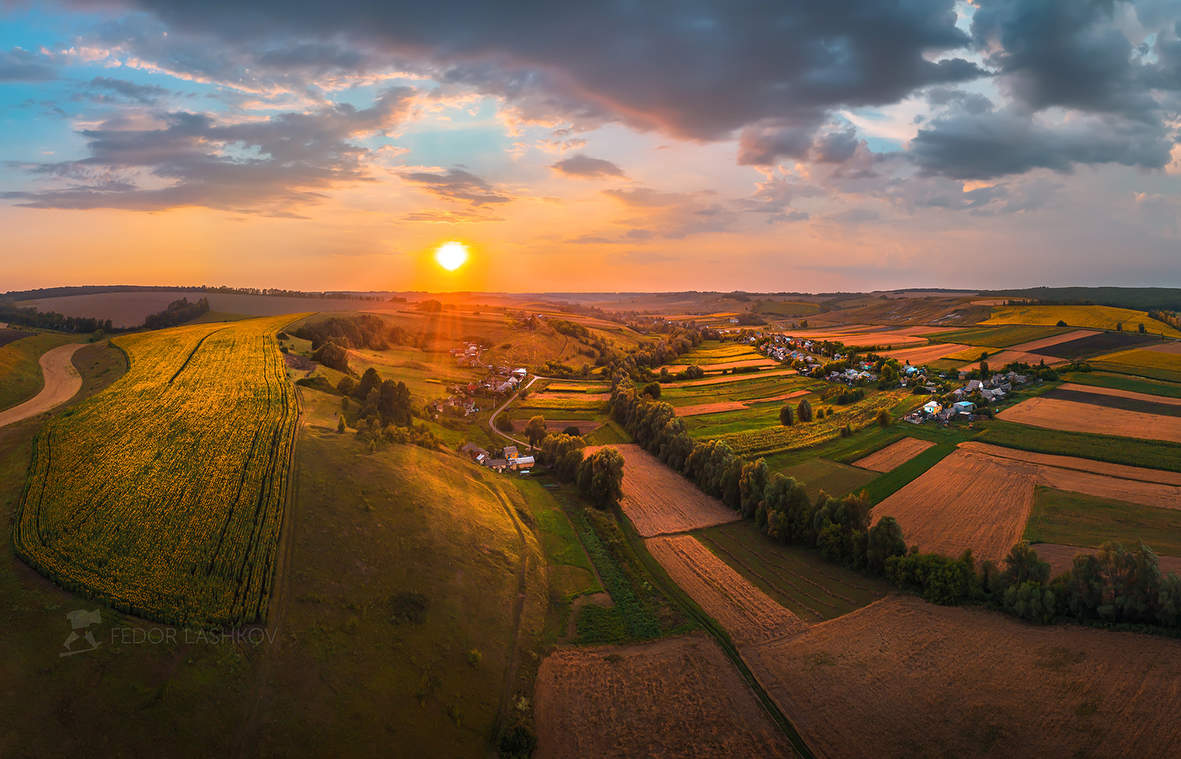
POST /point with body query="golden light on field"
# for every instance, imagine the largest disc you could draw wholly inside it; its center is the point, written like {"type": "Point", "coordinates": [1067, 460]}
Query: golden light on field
{"type": "Point", "coordinates": [451, 255]}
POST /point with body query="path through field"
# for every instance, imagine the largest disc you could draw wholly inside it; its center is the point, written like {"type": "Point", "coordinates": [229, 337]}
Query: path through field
{"type": "Point", "coordinates": [62, 382]}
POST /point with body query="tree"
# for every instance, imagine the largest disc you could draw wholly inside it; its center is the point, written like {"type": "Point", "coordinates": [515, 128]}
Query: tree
{"type": "Point", "coordinates": [1062, 323]}
{"type": "Point", "coordinates": [985, 372]}
{"type": "Point", "coordinates": [804, 411]}
{"type": "Point", "coordinates": [504, 424]}
{"type": "Point", "coordinates": [752, 483]}
{"type": "Point", "coordinates": [369, 380]}
{"type": "Point", "coordinates": [333, 355]}
{"type": "Point", "coordinates": [535, 430]}
{"type": "Point", "coordinates": [785, 415]}
{"type": "Point", "coordinates": [394, 403]}
{"type": "Point", "coordinates": [1141, 328]}
{"type": "Point", "coordinates": [340, 424]}
{"type": "Point", "coordinates": [1022, 565]}
{"type": "Point", "coordinates": [572, 431]}
{"type": "Point", "coordinates": [600, 477]}
{"type": "Point", "coordinates": [346, 386]}
{"type": "Point", "coordinates": [884, 418]}
{"type": "Point", "coordinates": [652, 390]}
{"type": "Point", "coordinates": [885, 540]}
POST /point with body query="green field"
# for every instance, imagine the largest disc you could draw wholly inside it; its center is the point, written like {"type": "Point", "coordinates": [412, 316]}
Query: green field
{"type": "Point", "coordinates": [1124, 382]}
{"type": "Point", "coordinates": [1003, 336]}
{"type": "Point", "coordinates": [832, 477]}
{"type": "Point", "coordinates": [713, 352]}
{"type": "Point", "coordinates": [1154, 454]}
{"type": "Point", "coordinates": [810, 586]}
{"type": "Point", "coordinates": [1153, 364]}
{"type": "Point", "coordinates": [888, 483]}
{"type": "Point", "coordinates": [1086, 521]}
{"type": "Point", "coordinates": [20, 372]}
{"type": "Point", "coordinates": [164, 494]}
{"type": "Point", "coordinates": [1097, 317]}
{"type": "Point", "coordinates": [745, 387]}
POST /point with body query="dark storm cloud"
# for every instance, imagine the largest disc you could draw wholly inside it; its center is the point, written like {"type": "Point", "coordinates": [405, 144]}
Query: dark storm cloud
{"type": "Point", "coordinates": [191, 159]}
{"type": "Point", "coordinates": [695, 69]}
{"type": "Point", "coordinates": [457, 184]}
{"type": "Point", "coordinates": [836, 147]}
{"type": "Point", "coordinates": [20, 65]}
{"type": "Point", "coordinates": [993, 144]}
{"type": "Point", "coordinates": [765, 144]}
{"type": "Point", "coordinates": [584, 166]}
{"type": "Point", "coordinates": [1067, 53]}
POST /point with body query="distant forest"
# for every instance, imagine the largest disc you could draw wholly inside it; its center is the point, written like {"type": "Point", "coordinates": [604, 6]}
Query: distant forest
{"type": "Point", "coordinates": [1139, 298]}
{"type": "Point", "coordinates": [57, 292]}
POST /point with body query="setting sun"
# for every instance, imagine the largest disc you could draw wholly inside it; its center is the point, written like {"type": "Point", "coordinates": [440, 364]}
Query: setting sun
{"type": "Point", "coordinates": [451, 255]}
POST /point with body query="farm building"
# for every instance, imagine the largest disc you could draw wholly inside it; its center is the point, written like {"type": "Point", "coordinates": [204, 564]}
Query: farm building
{"type": "Point", "coordinates": [964, 407]}
{"type": "Point", "coordinates": [932, 407]}
{"type": "Point", "coordinates": [521, 463]}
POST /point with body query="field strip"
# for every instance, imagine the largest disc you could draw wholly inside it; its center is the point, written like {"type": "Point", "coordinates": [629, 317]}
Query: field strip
{"type": "Point", "coordinates": [924, 353]}
{"type": "Point", "coordinates": [660, 501]}
{"type": "Point", "coordinates": [747, 613]}
{"type": "Point", "coordinates": [674, 368]}
{"type": "Point", "coordinates": [1072, 416]}
{"type": "Point", "coordinates": [1173, 347]}
{"type": "Point", "coordinates": [1009, 356]}
{"type": "Point", "coordinates": [62, 382]}
{"type": "Point", "coordinates": [1100, 390]}
{"type": "Point", "coordinates": [893, 455]}
{"type": "Point", "coordinates": [1060, 557]}
{"type": "Point", "coordinates": [729, 378]}
{"type": "Point", "coordinates": [719, 406]}
{"type": "Point", "coordinates": [1123, 471]}
{"type": "Point", "coordinates": [1033, 346]}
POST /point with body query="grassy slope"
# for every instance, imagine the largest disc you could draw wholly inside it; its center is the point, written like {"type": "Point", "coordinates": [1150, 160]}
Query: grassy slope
{"type": "Point", "coordinates": [370, 528]}
{"type": "Point", "coordinates": [808, 585]}
{"type": "Point", "coordinates": [1083, 520]}
{"type": "Point", "coordinates": [20, 372]}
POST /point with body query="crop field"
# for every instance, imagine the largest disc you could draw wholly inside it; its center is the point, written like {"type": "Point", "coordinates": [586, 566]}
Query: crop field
{"type": "Point", "coordinates": [1155, 364]}
{"type": "Point", "coordinates": [1018, 690]}
{"type": "Point", "coordinates": [1096, 343]}
{"type": "Point", "coordinates": [164, 494]}
{"type": "Point", "coordinates": [981, 496]}
{"type": "Point", "coordinates": [925, 353]}
{"type": "Point", "coordinates": [1073, 416]}
{"type": "Point", "coordinates": [967, 500]}
{"type": "Point", "coordinates": [1120, 399]}
{"type": "Point", "coordinates": [659, 501]}
{"type": "Point", "coordinates": [1124, 382]}
{"type": "Point", "coordinates": [728, 378]}
{"type": "Point", "coordinates": [668, 698]}
{"type": "Point", "coordinates": [567, 386]}
{"type": "Point", "coordinates": [1003, 336]}
{"type": "Point", "coordinates": [811, 587]}
{"type": "Point", "coordinates": [774, 437]}
{"type": "Point", "coordinates": [893, 455]}
{"type": "Point", "coordinates": [832, 477]}
{"type": "Point", "coordinates": [742, 387]}
{"type": "Point", "coordinates": [759, 411]}
{"type": "Point", "coordinates": [1156, 454]}
{"type": "Point", "coordinates": [426, 374]}
{"type": "Point", "coordinates": [1060, 557]}
{"type": "Point", "coordinates": [1095, 317]}
{"type": "Point", "coordinates": [748, 614]}
{"type": "Point", "coordinates": [1087, 521]}
{"type": "Point", "coordinates": [712, 352]}
{"type": "Point", "coordinates": [11, 335]}
{"type": "Point", "coordinates": [746, 363]}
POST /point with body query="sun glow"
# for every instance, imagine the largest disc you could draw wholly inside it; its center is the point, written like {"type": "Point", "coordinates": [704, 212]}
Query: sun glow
{"type": "Point", "coordinates": [451, 255]}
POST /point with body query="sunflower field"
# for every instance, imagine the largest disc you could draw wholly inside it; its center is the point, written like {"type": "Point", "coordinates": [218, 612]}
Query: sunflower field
{"type": "Point", "coordinates": [164, 494]}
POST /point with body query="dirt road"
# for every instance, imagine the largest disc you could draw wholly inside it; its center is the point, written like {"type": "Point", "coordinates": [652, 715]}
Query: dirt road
{"type": "Point", "coordinates": [62, 382]}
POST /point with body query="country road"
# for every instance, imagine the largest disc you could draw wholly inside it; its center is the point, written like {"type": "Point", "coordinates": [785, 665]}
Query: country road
{"type": "Point", "coordinates": [62, 382]}
{"type": "Point", "coordinates": [503, 406]}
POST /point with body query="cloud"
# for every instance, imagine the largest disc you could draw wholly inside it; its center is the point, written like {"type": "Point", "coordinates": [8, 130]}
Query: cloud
{"type": "Point", "coordinates": [449, 216]}
{"type": "Point", "coordinates": [140, 93]}
{"type": "Point", "coordinates": [193, 159]}
{"type": "Point", "coordinates": [584, 166]}
{"type": "Point", "coordinates": [998, 143]}
{"type": "Point", "coordinates": [764, 144]}
{"type": "Point", "coordinates": [670, 215]}
{"type": "Point", "coordinates": [457, 185]}
{"type": "Point", "coordinates": [772, 61]}
{"type": "Point", "coordinates": [20, 65]}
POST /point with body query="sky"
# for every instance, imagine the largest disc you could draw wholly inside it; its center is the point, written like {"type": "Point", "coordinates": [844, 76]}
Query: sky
{"type": "Point", "coordinates": [816, 145]}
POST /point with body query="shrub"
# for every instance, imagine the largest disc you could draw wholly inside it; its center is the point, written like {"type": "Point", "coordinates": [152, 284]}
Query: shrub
{"type": "Point", "coordinates": [503, 423]}
{"type": "Point", "coordinates": [804, 411]}
{"type": "Point", "coordinates": [884, 418]}
{"type": "Point", "coordinates": [785, 415]}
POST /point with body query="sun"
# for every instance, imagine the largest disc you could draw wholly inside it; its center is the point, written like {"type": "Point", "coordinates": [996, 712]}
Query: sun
{"type": "Point", "coordinates": [451, 255]}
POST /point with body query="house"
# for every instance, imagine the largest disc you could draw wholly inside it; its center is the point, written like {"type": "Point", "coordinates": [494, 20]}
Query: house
{"type": "Point", "coordinates": [975, 386]}
{"type": "Point", "coordinates": [510, 451]}
{"type": "Point", "coordinates": [964, 407]}
{"type": "Point", "coordinates": [520, 374]}
{"type": "Point", "coordinates": [519, 463]}
{"type": "Point", "coordinates": [473, 450]}
{"type": "Point", "coordinates": [932, 407]}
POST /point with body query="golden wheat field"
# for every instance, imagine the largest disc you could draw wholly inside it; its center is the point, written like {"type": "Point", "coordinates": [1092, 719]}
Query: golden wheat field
{"type": "Point", "coordinates": [164, 494]}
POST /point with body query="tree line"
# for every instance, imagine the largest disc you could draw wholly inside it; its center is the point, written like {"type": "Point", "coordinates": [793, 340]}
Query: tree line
{"type": "Point", "coordinates": [599, 476]}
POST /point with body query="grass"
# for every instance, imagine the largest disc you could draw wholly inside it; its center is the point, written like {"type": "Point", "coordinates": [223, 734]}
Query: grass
{"type": "Point", "coordinates": [609, 433]}
{"type": "Point", "coordinates": [1155, 364]}
{"type": "Point", "coordinates": [1086, 521]}
{"type": "Point", "coordinates": [707, 353]}
{"type": "Point", "coordinates": [1153, 454]}
{"type": "Point", "coordinates": [185, 457]}
{"type": "Point", "coordinates": [1097, 317]}
{"type": "Point", "coordinates": [20, 372]}
{"type": "Point", "coordinates": [738, 390]}
{"type": "Point", "coordinates": [799, 578]}
{"type": "Point", "coordinates": [832, 477]}
{"type": "Point", "coordinates": [1122, 382]}
{"type": "Point", "coordinates": [1002, 336]}
{"type": "Point", "coordinates": [887, 483]}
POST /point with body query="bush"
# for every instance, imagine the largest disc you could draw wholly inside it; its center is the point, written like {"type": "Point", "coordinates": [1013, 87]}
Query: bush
{"type": "Point", "coordinates": [319, 382]}
{"type": "Point", "coordinates": [785, 415]}
{"type": "Point", "coordinates": [333, 355]}
{"type": "Point", "coordinates": [804, 411]}
{"type": "Point", "coordinates": [884, 418]}
{"type": "Point", "coordinates": [939, 579]}
{"type": "Point", "coordinates": [503, 423]}
{"type": "Point", "coordinates": [572, 431]}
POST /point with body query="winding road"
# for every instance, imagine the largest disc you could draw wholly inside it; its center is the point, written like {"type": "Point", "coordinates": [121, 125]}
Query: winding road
{"type": "Point", "coordinates": [62, 382]}
{"type": "Point", "coordinates": [503, 406]}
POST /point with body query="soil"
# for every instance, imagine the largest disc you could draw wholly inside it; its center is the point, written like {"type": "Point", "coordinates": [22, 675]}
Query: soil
{"type": "Point", "coordinates": [925, 353]}
{"type": "Point", "coordinates": [676, 697]}
{"type": "Point", "coordinates": [893, 455]}
{"type": "Point", "coordinates": [62, 382]}
{"type": "Point", "coordinates": [1058, 414]}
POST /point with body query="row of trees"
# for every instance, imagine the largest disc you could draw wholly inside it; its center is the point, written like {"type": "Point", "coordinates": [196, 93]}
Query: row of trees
{"type": "Point", "coordinates": [177, 312]}
{"type": "Point", "coordinates": [599, 476]}
{"type": "Point", "coordinates": [31, 317]}
{"type": "Point", "coordinates": [387, 401]}
{"type": "Point", "coordinates": [360, 331]}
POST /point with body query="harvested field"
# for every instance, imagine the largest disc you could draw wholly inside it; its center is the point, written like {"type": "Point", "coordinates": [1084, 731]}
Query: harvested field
{"type": "Point", "coordinates": [720, 406]}
{"type": "Point", "coordinates": [967, 500]}
{"type": "Point", "coordinates": [677, 697]}
{"type": "Point", "coordinates": [585, 426]}
{"type": "Point", "coordinates": [1006, 357]}
{"type": "Point", "coordinates": [721, 380]}
{"type": "Point", "coordinates": [1004, 336]}
{"type": "Point", "coordinates": [925, 353]}
{"type": "Point", "coordinates": [894, 454]}
{"type": "Point", "coordinates": [1061, 558]}
{"type": "Point", "coordinates": [1096, 343]}
{"type": "Point", "coordinates": [1117, 400]}
{"type": "Point", "coordinates": [10, 335]}
{"type": "Point", "coordinates": [748, 614]}
{"type": "Point", "coordinates": [574, 397]}
{"type": "Point", "coordinates": [1173, 347]}
{"type": "Point", "coordinates": [909, 678]}
{"type": "Point", "coordinates": [1057, 414]}
{"type": "Point", "coordinates": [1035, 346]}
{"type": "Point", "coordinates": [1099, 390]}
{"type": "Point", "coordinates": [1122, 471]}
{"type": "Point", "coordinates": [659, 501]}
